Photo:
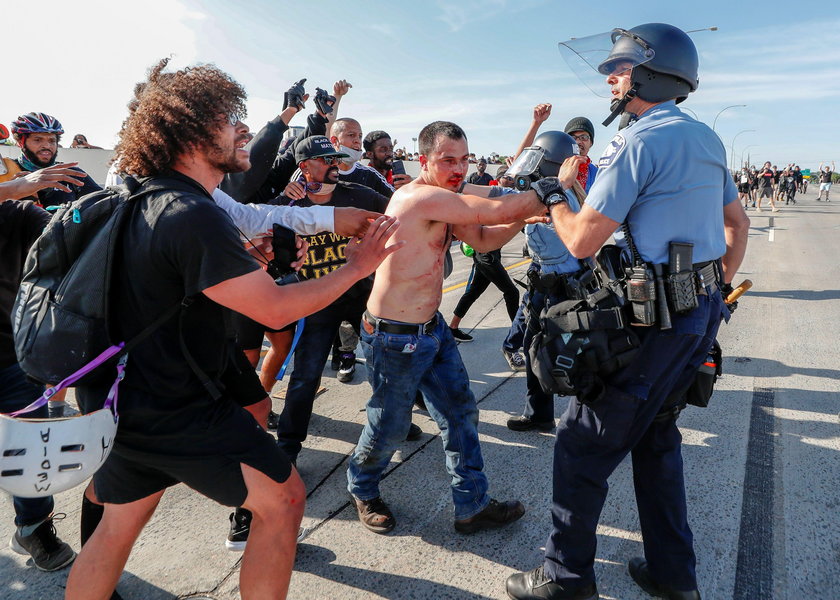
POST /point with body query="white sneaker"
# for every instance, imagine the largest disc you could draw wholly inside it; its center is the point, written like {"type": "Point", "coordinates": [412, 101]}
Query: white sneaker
{"type": "Point", "coordinates": [516, 360]}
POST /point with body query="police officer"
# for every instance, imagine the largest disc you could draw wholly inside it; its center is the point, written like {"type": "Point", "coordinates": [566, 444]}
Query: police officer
{"type": "Point", "coordinates": [551, 273]}
{"type": "Point", "coordinates": [649, 69]}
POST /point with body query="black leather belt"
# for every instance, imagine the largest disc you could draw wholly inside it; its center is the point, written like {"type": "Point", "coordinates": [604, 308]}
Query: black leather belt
{"type": "Point", "coordinates": [403, 328]}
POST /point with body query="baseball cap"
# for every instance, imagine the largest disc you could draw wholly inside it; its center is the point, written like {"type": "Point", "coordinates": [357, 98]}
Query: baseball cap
{"type": "Point", "coordinates": [314, 147]}
{"type": "Point", "coordinates": [581, 124]}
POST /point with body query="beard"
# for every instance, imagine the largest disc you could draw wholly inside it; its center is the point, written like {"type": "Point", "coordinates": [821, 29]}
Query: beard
{"type": "Point", "coordinates": [37, 161]}
{"type": "Point", "coordinates": [331, 176]}
{"type": "Point", "coordinates": [382, 165]}
{"type": "Point", "coordinates": [226, 159]}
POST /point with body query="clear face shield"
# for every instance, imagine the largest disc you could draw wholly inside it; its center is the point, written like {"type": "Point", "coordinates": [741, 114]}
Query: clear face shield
{"type": "Point", "coordinates": [594, 57]}
{"type": "Point", "coordinates": [525, 166]}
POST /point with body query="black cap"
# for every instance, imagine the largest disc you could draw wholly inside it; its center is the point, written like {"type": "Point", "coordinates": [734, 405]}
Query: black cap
{"type": "Point", "coordinates": [315, 146]}
{"type": "Point", "coordinates": [581, 124]}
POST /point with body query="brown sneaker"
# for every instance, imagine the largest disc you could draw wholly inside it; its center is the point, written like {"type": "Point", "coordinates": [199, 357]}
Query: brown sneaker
{"type": "Point", "coordinates": [375, 515]}
{"type": "Point", "coordinates": [496, 514]}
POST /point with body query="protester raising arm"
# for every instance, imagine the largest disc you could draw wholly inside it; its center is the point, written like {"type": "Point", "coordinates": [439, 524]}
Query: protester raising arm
{"type": "Point", "coordinates": [541, 114]}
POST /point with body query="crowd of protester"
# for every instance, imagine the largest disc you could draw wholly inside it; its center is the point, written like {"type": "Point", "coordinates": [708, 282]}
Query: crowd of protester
{"type": "Point", "coordinates": [322, 171]}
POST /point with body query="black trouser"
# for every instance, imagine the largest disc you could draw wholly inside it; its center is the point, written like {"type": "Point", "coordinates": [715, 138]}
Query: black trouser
{"type": "Point", "coordinates": [487, 268]}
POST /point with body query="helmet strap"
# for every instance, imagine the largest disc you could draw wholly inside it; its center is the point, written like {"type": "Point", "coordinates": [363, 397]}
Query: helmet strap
{"type": "Point", "coordinates": [617, 106]}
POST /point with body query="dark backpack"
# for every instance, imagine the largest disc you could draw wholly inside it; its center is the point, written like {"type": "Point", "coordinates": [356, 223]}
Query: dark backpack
{"type": "Point", "coordinates": [60, 317]}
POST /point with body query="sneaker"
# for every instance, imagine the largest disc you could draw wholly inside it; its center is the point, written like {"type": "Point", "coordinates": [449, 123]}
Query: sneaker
{"type": "Point", "coordinates": [460, 335]}
{"type": "Point", "coordinates": [496, 514]}
{"type": "Point", "coordinates": [240, 527]}
{"type": "Point", "coordinates": [758, 209]}
{"type": "Point", "coordinates": [48, 552]}
{"type": "Point", "coordinates": [347, 367]}
{"type": "Point", "coordinates": [414, 433]}
{"type": "Point", "coordinates": [375, 514]}
{"type": "Point", "coordinates": [516, 360]}
{"type": "Point", "coordinates": [273, 420]}
{"type": "Point", "coordinates": [775, 210]}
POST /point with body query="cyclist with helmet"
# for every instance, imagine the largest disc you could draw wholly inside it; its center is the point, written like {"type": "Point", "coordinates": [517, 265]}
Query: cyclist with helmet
{"type": "Point", "coordinates": [649, 69]}
{"type": "Point", "coordinates": [38, 135]}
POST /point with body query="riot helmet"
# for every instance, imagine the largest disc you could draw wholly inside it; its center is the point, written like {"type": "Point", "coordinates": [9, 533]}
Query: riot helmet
{"type": "Point", "coordinates": [543, 159]}
{"type": "Point", "coordinates": [662, 57]}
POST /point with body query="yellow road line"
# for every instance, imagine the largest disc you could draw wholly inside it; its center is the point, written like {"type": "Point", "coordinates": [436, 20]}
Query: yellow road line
{"type": "Point", "coordinates": [463, 284]}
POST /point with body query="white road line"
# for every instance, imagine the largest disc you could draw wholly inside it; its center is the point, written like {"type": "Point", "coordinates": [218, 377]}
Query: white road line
{"type": "Point", "coordinates": [772, 235]}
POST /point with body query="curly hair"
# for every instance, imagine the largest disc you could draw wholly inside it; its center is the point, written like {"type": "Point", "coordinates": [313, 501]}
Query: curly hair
{"type": "Point", "coordinates": [174, 113]}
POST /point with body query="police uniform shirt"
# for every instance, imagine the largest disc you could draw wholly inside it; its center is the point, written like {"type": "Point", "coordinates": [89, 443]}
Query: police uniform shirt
{"type": "Point", "coordinates": [666, 175]}
{"type": "Point", "coordinates": [546, 247]}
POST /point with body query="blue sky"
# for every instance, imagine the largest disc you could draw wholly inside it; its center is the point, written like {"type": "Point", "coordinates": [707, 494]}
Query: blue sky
{"type": "Point", "coordinates": [483, 64]}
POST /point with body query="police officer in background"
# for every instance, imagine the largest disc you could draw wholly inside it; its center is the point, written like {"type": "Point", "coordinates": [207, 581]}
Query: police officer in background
{"type": "Point", "coordinates": [649, 69]}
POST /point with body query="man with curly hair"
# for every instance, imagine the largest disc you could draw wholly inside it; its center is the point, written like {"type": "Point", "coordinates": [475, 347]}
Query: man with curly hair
{"type": "Point", "coordinates": [183, 134]}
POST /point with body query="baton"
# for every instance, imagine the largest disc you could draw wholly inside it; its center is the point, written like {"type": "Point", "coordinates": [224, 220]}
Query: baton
{"type": "Point", "coordinates": [738, 291]}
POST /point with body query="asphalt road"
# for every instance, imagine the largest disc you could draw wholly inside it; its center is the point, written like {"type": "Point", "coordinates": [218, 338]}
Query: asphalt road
{"type": "Point", "coordinates": [762, 466]}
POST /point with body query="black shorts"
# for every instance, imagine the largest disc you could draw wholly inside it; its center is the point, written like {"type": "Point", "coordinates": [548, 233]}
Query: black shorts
{"type": "Point", "coordinates": [249, 333]}
{"type": "Point", "coordinates": [744, 188]}
{"type": "Point", "coordinates": [241, 382]}
{"type": "Point", "coordinates": [208, 459]}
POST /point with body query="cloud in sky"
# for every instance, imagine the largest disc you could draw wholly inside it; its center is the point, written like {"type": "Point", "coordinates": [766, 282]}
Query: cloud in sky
{"type": "Point", "coordinates": [484, 64]}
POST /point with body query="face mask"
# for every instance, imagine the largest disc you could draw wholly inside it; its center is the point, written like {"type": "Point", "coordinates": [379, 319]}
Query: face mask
{"type": "Point", "coordinates": [320, 189]}
{"type": "Point", "coordinates": [352, 155]}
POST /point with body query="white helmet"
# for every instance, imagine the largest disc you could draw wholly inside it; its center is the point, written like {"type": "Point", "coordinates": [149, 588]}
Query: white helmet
{"type": "Point", "coordinates": [41, 457]}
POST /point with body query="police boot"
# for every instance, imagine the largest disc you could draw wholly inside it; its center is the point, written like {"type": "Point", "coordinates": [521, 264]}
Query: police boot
{"type": "Point", "coordinates": [638, 569]}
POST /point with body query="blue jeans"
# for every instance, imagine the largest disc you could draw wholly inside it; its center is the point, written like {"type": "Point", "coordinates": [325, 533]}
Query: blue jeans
{"type": "Point", "coordinates": [398, 365]}
{"type": "Point", "coordinates": [592, 441]}
{"type": "Point", "coordinates": [311, 354]}
{"type": "Point", "coordinates": [515, 338]}
{"type": "Point", "coordinates": [16, 392]}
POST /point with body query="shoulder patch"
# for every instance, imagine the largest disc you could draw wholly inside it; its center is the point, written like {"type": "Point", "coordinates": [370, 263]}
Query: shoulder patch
{"type": "Point", "coordinates": [612, 150]}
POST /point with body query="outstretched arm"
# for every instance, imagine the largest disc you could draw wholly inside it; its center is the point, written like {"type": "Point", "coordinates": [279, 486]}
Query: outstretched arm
{"type": "Point", "coordinates": [541, 113]}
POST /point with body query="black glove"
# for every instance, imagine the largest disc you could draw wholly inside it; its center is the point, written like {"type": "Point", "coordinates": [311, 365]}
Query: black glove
{"type": "Point", "coordinates": [294, 96]}
{"type": "Point", "coordinates": [548, 187]}
{"type": "Point", "coordinates": [324, 101]}
{"type": "Point", "coordinates": [725, 290]}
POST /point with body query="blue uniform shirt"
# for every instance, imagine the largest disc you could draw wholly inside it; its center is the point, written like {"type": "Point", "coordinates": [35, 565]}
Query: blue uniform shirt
{"type": "Point", "coordinates": [666, 175]}
{"type": "Point", "coordinates": [546, 248]}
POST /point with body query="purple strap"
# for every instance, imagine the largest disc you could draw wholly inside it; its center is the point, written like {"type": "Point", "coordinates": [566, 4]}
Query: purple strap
{"type": "Point", "coordinates": [110, 401]}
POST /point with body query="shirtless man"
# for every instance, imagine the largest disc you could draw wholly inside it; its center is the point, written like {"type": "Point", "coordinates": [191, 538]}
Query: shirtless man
{"type": "Point", "coordinates": [408, 344]}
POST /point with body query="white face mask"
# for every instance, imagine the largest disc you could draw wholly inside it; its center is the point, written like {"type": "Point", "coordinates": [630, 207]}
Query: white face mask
{"type": "Point", "coordinates": [353, 156]}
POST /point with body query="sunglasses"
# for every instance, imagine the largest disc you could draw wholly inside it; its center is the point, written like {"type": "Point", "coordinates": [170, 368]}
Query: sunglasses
{"type": "Point", "coordinates": [233, 118]}
{"type": "Point", "coordinates": [582, 137]}
{"type": "Point", "coordinates": [328, 160]}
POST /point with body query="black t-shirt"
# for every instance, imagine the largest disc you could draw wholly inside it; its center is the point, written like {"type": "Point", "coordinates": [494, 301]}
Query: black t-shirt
{"type": "Point", "coordinates": [21, 222]}
{"type": "Point", "coordinates": [367, 177]}
{"type": "Point", "coordinates": [766, 178]}
{"type": "Point", "coordinates": [326, 249]}
{"type": "Point", "coordinates": [825, 176]}
{"type": "Point", "coordinates": [483, 179]}
{"type": "Point", "coordinates": [177, 243]}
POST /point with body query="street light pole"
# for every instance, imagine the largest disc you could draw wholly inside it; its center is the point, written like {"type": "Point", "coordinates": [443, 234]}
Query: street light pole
{"type": "Point", "coordinates": [732, 148]}
{"type": "Point", "coordinates": [723, 109]}
{"type": "Point", "coordinates": [691, 111]}
{"type": "Point", "coordinates": [713, 28]}
{"type": "Point", "coordinates": [744, 150]}
{"type": "Point", "coordinates": [415, 145]}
